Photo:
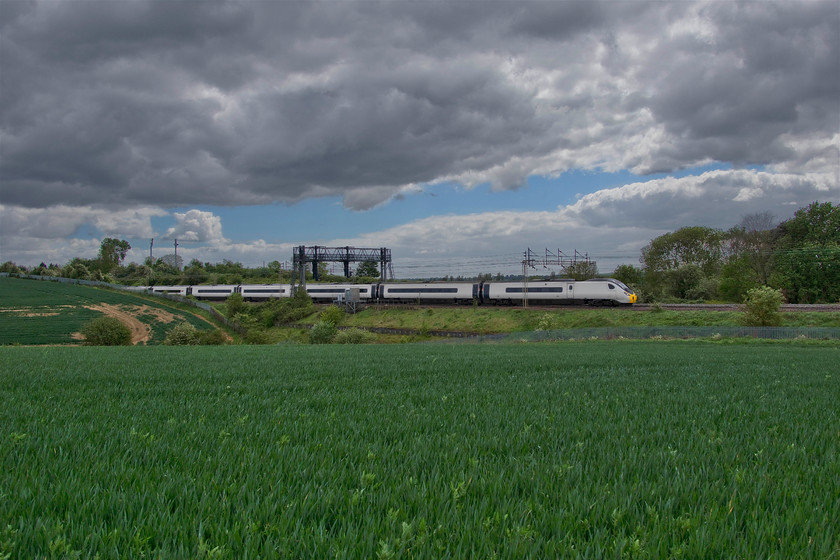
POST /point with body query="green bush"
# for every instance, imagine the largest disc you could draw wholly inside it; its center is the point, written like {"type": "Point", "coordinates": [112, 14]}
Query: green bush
{"type": "Point", "coordinates": [333, 314]}
{"type": "Point", "coordinates": [106, 331]}
{"type": "Point", "coordinates": [257, 336]}
{"type": "Point", "coordinates": [322, 332]}
{"type": "Point", "coordinates": [235, 305]}
{"type": "Point", "coordinates": [354, 336]}
{"type": "Point", "coordinates": [213, 337]}
{"type": "Point", "coordinates": [284, 311]}
{"type": "Point", "coordinates": [761, 307]}
{"type": "Point", "coordinates": [183, 334]}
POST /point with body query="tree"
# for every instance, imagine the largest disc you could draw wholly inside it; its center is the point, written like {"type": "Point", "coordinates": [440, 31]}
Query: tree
{"type": "Point", "coordinates": [171, 261]}
{"type": "Point", "coordinates": [628, 274]}
{"type": "Point", "coordinates": [112, 253]}
{"type": "Point", "coordinates": [10, 267]}
{"type": "Point", "coordinates": [676, 264]}
{"type": "Point", "coordinates": [807, 255]}
{"type": "Point", "coordinates": [752, 242]}
{"type": "Point", "coordinates": [701, 246]}
{"type": "Point", "coordinates": [581, 270]}
{"type": "Point", "coordinates": [818, 224]}
{"type": "Point", "coordinates": [368, 269]}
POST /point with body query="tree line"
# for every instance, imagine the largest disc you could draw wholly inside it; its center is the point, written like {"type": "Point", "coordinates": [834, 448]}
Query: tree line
{"type": "Point", "coordinates": [799, 256]}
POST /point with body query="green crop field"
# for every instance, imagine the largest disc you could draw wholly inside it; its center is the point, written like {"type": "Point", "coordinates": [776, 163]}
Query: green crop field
{"type": "Point", "coordinates": [42, 312]}
{"type": "Point", "coordinates": [570, 450]}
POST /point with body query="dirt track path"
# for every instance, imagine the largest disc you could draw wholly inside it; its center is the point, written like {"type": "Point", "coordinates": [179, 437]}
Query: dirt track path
{"type": "Point", "coordinates": [140, 331]}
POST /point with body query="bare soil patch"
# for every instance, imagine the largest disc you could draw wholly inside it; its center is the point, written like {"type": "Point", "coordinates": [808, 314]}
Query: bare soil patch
{"type": "Point", "coordinates": [140, 331]}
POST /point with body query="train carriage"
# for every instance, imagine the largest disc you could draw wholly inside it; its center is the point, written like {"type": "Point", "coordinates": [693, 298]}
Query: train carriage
{"type": "Point", "coordinates": [174, 290]}
{"type": "Point", "coordinates": [597, 291]}
{"type": "Point", "coordinates": [218, 291]}
{"type": "Point", "coordinates": [322, 293]}
{"type": "Point", "coordinates": [429, 293]}
{"type": "Point", "coordinates": [262, 292]}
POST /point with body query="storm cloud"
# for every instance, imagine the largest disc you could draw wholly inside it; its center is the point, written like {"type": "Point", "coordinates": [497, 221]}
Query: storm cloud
{"type": "Point", "coordinates": [115, 113]}
{"type": "Point", "coordinates": [233, 103]}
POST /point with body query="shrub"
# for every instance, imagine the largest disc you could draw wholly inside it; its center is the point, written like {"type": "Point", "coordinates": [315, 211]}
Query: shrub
{"type": "Point", "coordinates": [354, 336]}
{"type": "Point", "coordinates": [285, 311]}
{"type": "Point", "coordinates": [545, 323]}
{"type": "Point", "coordinates": [322, 332]}
{"type": "Point", "coordinates": [182, 334]}
{"type": "Point", "coordinates": [235, 305]}
{"type": "Point", "coordinates": [333, 314]}
{"type": "Point", "coordinates": [213, 337]}
{"type": "Point", "coordinates": [761, 307]}
{"type": "Point", "coordinates": [257, 336]}
{"type": "Point", "coordinates": [106, 331]}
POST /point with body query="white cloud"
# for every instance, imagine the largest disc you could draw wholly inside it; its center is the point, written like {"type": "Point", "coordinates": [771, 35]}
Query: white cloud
{"type": "Point", "coordinates": [196, 226]}
{"type": "Point", "coordinates": [63, 221]}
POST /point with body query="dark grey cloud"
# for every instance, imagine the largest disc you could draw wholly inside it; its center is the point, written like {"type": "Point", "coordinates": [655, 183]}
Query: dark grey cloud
{"type": "Point", "coordinates": [227, 103]}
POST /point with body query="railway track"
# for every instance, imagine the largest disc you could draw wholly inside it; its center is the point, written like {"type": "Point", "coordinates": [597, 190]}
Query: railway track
{"type": "Point", "coordinates": [786, 308]}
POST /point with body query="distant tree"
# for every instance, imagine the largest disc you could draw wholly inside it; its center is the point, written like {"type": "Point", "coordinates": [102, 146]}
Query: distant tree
{"type": "Point", "coordinates": [751, 241]}
{"type": "Point", "coordinates": [322, 270]}
{"type": "Point", "coordinates": [10, 267]}
{"type": "Point", "coordinates": [807, 255]}
{"type": "Point", "coordinates": [275, 267]}
{"type": "Point", "coordinates": [368, 269]}
{"type": "Point", "coordinates": [736, 278]}
{"type": "Point", "coordinates": [171, 261]}
{"type": "Point", "coordinates": [628, 274]}
{"type": "Point", "coordinates": [675, 263]}
{"type": "Point", "coordinates": [112, 253]}
{"type": "Point", "coordinates": [818, 224]}
{"type": "Point", "coordinates": [581, 270]}
{"type": "Point", "coordinates": [78, 268]}
{"type": "Point", "coordinates": [701, 246]}
{"type": "Point", "coordinates": [684, 281]}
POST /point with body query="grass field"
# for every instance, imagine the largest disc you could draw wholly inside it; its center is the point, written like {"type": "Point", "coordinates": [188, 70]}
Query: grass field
{"type": "Point", "coordinates": [502, 320]}
{"type": "Point", "coordinates": [572, 450]}
{"type": "Point", "coordinates": [42, 312]}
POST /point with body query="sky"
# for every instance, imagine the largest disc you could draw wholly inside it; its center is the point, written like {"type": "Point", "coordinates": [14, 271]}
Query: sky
{"type": "Point", "coordinates": [458, 134]}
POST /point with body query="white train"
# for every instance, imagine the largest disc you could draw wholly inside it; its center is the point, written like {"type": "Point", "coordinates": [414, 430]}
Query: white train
{"type": "Point", "coordinates": [598, 291]}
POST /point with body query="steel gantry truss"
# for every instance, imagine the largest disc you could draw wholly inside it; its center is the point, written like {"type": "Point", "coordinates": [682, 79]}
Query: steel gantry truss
{"type": "Point", "coordinates": [564, 261]}
{"type": "Point", "coordinates": [318, 254]}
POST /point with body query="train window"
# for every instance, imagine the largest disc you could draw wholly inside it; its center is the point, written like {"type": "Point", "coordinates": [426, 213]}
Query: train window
{"type": "Point", "coordinates": [269, 291]}
{"type": "Point", "coordinates": [610, 286]}
{"type": "Point", "coordinates": [422, 290]}
{"type": "Point", "coordinates": [534, 290]}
